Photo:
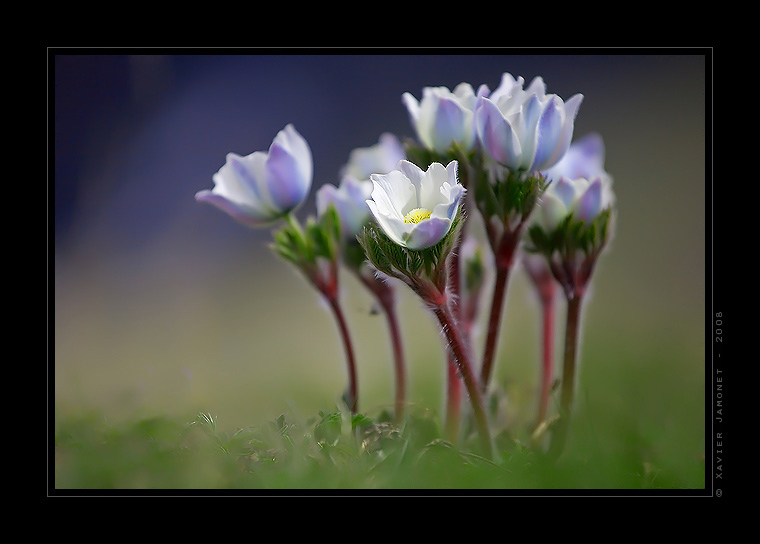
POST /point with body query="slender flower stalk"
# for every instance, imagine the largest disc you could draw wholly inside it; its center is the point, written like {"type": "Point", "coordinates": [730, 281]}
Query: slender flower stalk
{"type": "Point", "coordinates": [572, 331]}
{"type": "Point", "coordinates": [503, 260]}
{"type": "Point", "coordinates": [313, 250]}
{"type": "Point", "coordinates": [352, 397]}
{"type": "Point", "coordinates": [466, 370]}
{"type": "Point", "coordinates": [547, 355]}
{"type": "Point", "coordinates": [385, 296]}
{"type": "Point", "coordinates": [349, 202]}
{"type": "Point", "coordinates": [545, 287]}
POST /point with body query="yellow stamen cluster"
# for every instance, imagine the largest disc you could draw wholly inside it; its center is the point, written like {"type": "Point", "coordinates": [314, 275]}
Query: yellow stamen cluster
{"type": "Point", "coordinates": [417, 215]}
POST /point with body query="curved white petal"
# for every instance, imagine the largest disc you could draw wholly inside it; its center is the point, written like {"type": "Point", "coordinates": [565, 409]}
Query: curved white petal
{"type": "Point", "coordinates": [242, 213]}
{"type": "Point", "coordinates": [392, 227]}
{"type": "Point", "coordinates": [553, 211]}
{"type": "Point", "coordinates": [427, 233]}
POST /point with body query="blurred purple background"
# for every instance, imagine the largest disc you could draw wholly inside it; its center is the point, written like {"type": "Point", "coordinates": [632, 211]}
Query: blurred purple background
{"type": "Point", "coordinates": [161, 301]}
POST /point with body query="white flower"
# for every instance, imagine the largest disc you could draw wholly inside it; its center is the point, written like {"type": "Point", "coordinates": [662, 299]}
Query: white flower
{"type": "Point", "coordinates": [262, 187]}
{"type": "Point", "coordinates": [350, 198]}
{"type": "Point", "coordinates": [584, 159]}
{"type": "Point", "coordinates": [350, 201]}
{"type": "Point", "coordinates": [415, 208]}
{"type": "Point", "coordinates": [525, 129]}
{"type": "Point", "coordinates": [583, 198]}
{"type": "Point", "coordinates": [443, 116]}
{"type": "Point", "coordinates": [380, 158]}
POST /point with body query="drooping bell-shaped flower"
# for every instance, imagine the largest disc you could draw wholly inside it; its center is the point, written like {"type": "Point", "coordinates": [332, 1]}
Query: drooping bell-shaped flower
{"type": "Point", "coordinates": [443, 116]}
{"type": "Point", "coordinates": [525, 129]}
{"type": "Point", "coordinates": [260, 188]}
{"type": "Point", "coordinates": [415, 208]}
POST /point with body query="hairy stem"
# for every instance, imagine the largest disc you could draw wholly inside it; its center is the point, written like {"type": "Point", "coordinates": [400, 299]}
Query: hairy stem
{"type": "Point", "coordinates": [464, 366]}
{"type": "Point", "coordinates": [453, 381]}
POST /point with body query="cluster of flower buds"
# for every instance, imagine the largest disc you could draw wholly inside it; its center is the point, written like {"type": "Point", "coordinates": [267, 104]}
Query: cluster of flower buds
{"type": "Point", "coordinates": [400, 211]}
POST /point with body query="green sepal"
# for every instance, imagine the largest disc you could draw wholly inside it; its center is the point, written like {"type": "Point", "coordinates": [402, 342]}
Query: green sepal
{"type": "Point", "coordinates": [474, 272]}
{"type": "Point", "coordinates": [424, 157]}
{"type": "Point", "coordinates": [394, 260]}
{"type": "Point", "coordinates": [570, 236]}
{"type": "Point", "coordinates": [319, 238]}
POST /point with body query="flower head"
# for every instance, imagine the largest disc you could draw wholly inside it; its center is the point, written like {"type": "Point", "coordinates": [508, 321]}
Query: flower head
{"type": "Point", "coordinates": [583, 198]}
{"type": "Point", "coordinates": [525, 129]}
{"type": "Point", "coordinates": [262, 187]}
{"type": "Point", "coordinates": [380, 158]}
{"type": "Point", "coordinates": [350, 198]}
{"type": "Point", "coordinates": [415, 208]}
{"type": "Point", "coordinates": [443, 116]}
{"type": "Point", "coordinates": [584, 159]}
{"type": "Point", "coordinates": [350, 201]}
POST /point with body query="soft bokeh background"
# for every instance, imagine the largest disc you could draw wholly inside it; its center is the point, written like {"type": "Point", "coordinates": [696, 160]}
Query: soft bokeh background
{"type": "Point", "coordinates": [167, 306]}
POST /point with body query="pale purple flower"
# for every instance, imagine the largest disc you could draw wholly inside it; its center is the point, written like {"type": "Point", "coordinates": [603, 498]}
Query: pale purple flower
{"type": "Point", "coordinates": [415, 208]}
{"type": "Point", "coordinates": [584, 159]}
{"type": "Point", "coordinates": [443, 116]}
{"type": "Point", "coordinates": [262, 187]}
{"type": "Point", "coordinates": [349, 200]}
{"type": "Point", "coordinates": [525, 130]}
{"type": "Point", "coordinates": [380, 158]}
{"type": "Point", "coordinates": [584, 198]}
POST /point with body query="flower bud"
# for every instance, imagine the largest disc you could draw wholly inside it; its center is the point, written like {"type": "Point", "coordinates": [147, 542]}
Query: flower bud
{"type": "Point", "coordinates": [583, 198]}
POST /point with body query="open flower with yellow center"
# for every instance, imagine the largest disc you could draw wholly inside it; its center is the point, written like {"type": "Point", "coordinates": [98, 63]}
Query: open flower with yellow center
{"type": "Point", "coordinates": [414, 207]}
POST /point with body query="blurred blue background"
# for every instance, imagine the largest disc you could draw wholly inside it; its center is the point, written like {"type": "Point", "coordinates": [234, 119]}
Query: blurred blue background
{"type": "Point", "coordinates": [165, 305]}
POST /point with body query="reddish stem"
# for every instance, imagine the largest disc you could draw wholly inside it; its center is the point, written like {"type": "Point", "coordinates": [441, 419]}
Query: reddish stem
{"type": "Point", "coordinates": [547, 311]}
{"type": "Point", "coordinates": [494, 323]}
{"type": "Point", "coordinates": [389, 307]}
{"type": "Point", "coordinates": [559, 435]}
{"type": "Point", "coordinates": [464, 366]}
{"type": "Point", "coordinates": [353, 393]}
{"type": "Point", "coordinates": [453, 380]}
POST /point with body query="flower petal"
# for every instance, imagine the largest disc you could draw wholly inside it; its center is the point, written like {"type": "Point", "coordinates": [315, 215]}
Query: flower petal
{"type": "Point", "coordinates": [590, 203]}
{"type": "Point", "coordinates": [400, 193]}
{"type": "Point", "coordinates": [392, 226]}
{"type": "Point", "coordinates": [428, 232]}
{"type": "Point", "coordinates": [289, 169]}
{"type": "Point", "coordinates": [548, 132]}
{"type": "Point", "coordinates": [246, 215]}
{"type": "Point", "coordinates": [563, 143]}
{"type": "Point", "coordinates": [553, 211]}
{"type": "Point", "coordinates": [496, 134]}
